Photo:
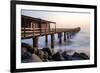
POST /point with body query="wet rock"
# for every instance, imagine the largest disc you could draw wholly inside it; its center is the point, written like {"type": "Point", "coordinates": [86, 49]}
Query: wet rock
{"type": "Point", "coordinates": [84, 56]}
{"type": "Point", "coordinates": [26, 55]}
{"type": "Point", "coordinates": [48, 51]}
{"type": "Point", "coordinates": [65, 55]}
{"type": "Point", "coordinates": [57, 57]}
{"type": "Point", "coordinates": [77, 56]}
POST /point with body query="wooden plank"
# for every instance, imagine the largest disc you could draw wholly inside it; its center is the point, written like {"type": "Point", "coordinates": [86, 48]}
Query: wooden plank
{"type": "Point", "coordinates": [28, 32]}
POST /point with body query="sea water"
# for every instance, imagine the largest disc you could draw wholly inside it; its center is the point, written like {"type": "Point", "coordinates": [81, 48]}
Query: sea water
{"type": "Point", "coordinates": [79, 42]}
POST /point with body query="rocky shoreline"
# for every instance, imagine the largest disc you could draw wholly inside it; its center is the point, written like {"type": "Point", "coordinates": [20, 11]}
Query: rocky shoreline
{"type": "Point", "coordinates": [28, 54]}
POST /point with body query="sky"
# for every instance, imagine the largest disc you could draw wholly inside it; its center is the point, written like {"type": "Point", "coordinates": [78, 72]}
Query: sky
{"type": "Point", "coordinates": [62, 19]}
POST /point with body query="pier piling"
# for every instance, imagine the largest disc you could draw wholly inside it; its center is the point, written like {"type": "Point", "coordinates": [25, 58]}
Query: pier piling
{"type": "Point", "coordinates": [35, 41]}
{"type": "Point", "coordinates": [68, 37]}
{"type": "Point", "coordinates": [46, 39]}
{"type": "Point", "coordinates": [60, 38]}
{"type": "Point", "coordinates": [52, 40]}
{"type": "Point", "coordinates": [64, 36]}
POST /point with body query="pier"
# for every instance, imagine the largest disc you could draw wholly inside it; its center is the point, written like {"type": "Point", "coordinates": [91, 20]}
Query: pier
{"type": "Point", "coordinates": [35, 27]}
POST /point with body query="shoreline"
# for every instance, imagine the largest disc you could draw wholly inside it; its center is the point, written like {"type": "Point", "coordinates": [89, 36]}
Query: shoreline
{"type": "Point", "coordinates": [84, 50]}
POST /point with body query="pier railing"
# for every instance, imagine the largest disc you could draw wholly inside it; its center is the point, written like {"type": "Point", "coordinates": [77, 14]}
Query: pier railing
{"type": "Point", "coordinates": [30, 32]}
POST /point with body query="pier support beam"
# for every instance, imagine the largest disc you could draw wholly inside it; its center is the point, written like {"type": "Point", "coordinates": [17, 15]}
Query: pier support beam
{"type": "Point", "coordinates": [46, 39]}
{"type": "Point", "coordinates": [35, 42]}
{"type": "Point", "coordinates": [64, 36]}
{"type": "Point", "coordinates": [60, 38]}
{"type": "Point", "coordinates": [68, 36]}
{"type": "Point", "coordinates": [52, 40]}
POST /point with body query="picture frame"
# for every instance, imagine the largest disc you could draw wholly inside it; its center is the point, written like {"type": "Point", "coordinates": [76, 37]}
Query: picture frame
{"type": "Point", "coordinates": [18, 8]}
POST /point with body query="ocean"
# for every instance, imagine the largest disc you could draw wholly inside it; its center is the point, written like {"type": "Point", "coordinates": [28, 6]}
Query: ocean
{"type": "Point", "coordinates": [79, 43]}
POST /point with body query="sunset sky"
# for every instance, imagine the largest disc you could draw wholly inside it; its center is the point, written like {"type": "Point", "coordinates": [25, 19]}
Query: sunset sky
{"type": "Point", "coordinates": [62, 19]}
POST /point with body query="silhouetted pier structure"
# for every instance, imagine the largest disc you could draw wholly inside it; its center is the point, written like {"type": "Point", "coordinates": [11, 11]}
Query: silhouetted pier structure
{"type": "Point", "coordinates": [35, 27]}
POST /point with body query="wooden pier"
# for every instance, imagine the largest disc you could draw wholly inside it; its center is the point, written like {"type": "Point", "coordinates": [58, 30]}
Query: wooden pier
{"type": "Point", "coordinates": [36, 27]}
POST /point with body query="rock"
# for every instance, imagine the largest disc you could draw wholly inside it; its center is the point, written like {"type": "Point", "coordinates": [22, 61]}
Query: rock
{"type": "Point", "coordinates": [26, 55]}
{"type": "Point", "coordinates": [84, 56]}
{"type": "Point", "coordinates": [28, 47]}
{"type": "Point", "coordinates": [48, 51]}
{"type": "Point", "coordinates": [76, 56]}
{"type": "Point", "coordinates": [65, 55]}
{"type": "Point", "coordinates": [57, 57]}
{"type": "Point", "coordinates": [80, 56]}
